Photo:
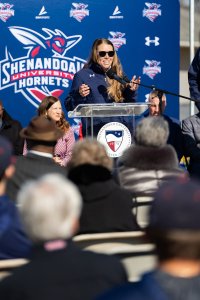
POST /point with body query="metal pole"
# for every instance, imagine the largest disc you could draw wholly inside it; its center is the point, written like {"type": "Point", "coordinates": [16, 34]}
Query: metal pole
{"type": "Point", "coordinates": [192, 105]}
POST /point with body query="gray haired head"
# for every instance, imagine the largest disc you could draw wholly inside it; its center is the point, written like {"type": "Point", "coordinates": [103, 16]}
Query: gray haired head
{"type": "Point", "coordinates": [152, 131]}
{"type": "Point", "coordinates": [49, 208]}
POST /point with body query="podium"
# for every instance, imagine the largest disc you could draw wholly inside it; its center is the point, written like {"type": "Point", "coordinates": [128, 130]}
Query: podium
{"type": "Point", "coordinates": [102, 110]}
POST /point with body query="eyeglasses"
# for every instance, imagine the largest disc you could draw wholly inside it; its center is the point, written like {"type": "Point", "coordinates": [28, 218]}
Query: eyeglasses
{"type": "Point", "coordinates": [103, 53]}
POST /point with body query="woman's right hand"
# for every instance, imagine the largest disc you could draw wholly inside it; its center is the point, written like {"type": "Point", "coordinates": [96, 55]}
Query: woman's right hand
{"type": "Point", "coordinates": [84, 90]}
{"type": "Point", "coordinates": [134, 83]}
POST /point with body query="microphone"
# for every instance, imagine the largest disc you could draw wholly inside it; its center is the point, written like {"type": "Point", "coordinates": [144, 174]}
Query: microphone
{"type": "Point", "coordinates": [112, 75]}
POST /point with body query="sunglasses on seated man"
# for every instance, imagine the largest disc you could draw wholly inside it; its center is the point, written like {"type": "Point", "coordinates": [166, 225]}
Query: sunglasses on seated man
{"type": "Point", "coordinates": [103, 53]}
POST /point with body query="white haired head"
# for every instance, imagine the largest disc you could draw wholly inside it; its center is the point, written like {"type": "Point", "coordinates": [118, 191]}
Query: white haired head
{"type": "Point", "coordinates": [49, 207]}
{"type": "Point", "coordinates": [152, 131]}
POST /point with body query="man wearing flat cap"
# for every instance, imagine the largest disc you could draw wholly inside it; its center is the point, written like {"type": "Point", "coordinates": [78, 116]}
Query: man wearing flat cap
{"type": "Point", "coordinates": [174, 228]}
{"type": "Point", "coordinates": [41, 136]}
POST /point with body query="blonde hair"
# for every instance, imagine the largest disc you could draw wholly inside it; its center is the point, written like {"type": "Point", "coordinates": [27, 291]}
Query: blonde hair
{"type": "Point", "coordinates": [90, 151]}
{"type": "Point", "coordinates": [115, 89]}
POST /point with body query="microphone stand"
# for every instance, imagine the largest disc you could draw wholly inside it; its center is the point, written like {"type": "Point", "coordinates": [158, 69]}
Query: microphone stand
{"type": "Point", "coordinates": [160, 95]}
{"type": "Point", "coordinates": [161, 91]}
{"type": "Point", "coordinates": [111, 74]}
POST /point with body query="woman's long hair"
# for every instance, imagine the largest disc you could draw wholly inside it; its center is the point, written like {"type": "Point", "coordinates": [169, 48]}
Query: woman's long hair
{"type": "Point", "coordinates": [115, 89]}
{"type": "Point", "coordinates": [43, 108]}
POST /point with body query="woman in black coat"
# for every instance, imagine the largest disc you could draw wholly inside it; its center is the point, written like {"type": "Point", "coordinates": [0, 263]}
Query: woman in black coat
{"type": "Point", "coordinates": [106, 206]}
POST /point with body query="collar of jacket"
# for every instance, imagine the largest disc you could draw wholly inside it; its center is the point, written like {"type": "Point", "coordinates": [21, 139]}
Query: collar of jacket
{"type": "Point", "coordinates": [87, 174]}
{"type": "Point", "coordinates": [97, 68]}
{"type": "Point", "coordinates": [148, 158]}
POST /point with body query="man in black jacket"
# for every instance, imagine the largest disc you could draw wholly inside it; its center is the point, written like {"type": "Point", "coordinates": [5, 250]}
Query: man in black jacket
{"type": "Point", "coordinates": [10, 128]}
{"type": "Point", "coordinates": [175, 135]}
{"type": "Point", "coordinates": [41, 136]}
{"type": "Point", "coordinates": [194, 78]}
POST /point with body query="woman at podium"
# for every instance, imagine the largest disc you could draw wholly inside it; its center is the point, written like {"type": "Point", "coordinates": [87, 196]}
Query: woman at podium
{"type": "Point", "coordinates": [102, 81]}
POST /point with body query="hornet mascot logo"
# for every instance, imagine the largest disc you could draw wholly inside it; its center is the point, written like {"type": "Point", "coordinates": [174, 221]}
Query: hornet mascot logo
{"type": "Point", "coordinates": [55, 41]}
{"type": "Point", "coordinates": [45, 66]}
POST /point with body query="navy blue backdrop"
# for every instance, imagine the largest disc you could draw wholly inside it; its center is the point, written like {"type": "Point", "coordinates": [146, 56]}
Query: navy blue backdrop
{"type": "Point", "coordinates": [43, 44]}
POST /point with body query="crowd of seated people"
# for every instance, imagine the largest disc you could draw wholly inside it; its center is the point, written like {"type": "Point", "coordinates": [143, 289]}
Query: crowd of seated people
{"type": "Point", "coordinates": [46, 202]}
{"type": "Point", "coordinates": [49, 208]}
{"type": "Point", "coordinates": [60, 188]}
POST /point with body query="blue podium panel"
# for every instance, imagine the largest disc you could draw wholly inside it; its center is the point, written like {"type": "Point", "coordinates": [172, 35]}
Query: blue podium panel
{"type": "Point", "coordinates": [44, 43]}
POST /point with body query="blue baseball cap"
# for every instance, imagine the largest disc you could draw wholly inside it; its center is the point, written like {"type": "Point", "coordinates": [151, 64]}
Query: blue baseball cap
{"type": "Point", "coordinates": [176, 206]}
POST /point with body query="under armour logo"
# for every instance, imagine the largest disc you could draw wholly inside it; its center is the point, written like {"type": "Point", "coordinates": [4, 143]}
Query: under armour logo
{"type": "Point", "coordinates": [149, 41]}
{"type": "Point", "coordinates": [92, 75]}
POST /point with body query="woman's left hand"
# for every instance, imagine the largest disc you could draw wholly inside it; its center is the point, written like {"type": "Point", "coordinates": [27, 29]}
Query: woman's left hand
{"type": "Point", "coordinates": [134, 84]}
{"type": "Point", "coordinates": [57, 159]}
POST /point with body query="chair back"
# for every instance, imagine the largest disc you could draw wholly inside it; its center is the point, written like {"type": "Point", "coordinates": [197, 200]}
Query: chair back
{"type": "Point", "coordinates": [141, 210]}
{"type": "Point", "coordinates": [7, 266]}
{"type": "Point", "coordinates": [136, 253]}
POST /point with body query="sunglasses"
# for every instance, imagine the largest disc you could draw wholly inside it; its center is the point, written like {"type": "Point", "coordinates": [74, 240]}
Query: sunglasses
{"type": "Point", "coordinates": [103, 53]}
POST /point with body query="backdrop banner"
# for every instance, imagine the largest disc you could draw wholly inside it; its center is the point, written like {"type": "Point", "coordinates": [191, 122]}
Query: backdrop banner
{"type": "Point", "coordinates": [44, 43]}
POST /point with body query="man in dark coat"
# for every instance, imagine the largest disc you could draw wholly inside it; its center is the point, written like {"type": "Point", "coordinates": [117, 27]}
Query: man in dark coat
{"type": "Point", "coordinates": [41, 136]}
{"type": "Point", "coordinates": [10, 129]}
{"type": "Point", "coordinates": [194, 78]}
{"type": "Point", "coordinates": [50, 209]}
{"type": "Point", "coordinates": [191, 140]}
{"type": "Point", "coordinates": [175, 135]}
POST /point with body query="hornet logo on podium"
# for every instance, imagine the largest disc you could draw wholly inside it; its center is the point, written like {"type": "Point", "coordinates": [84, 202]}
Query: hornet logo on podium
{"type": "Point", "coordinates": [45, 70]}
{"type": "Point", "coordinates": [116, 138]}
